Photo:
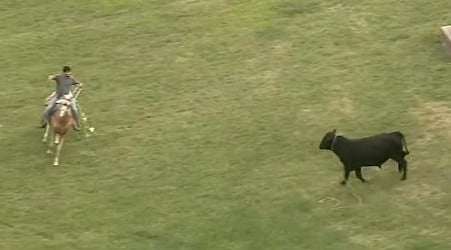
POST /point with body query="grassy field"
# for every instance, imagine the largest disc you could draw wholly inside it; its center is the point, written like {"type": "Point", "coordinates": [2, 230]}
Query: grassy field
{"type": "Point", "coordinates": [208, 117]}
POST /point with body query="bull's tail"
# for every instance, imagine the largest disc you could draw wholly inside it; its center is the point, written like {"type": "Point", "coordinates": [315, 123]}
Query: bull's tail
{"type": "Point", "coordinates": [403, 139]}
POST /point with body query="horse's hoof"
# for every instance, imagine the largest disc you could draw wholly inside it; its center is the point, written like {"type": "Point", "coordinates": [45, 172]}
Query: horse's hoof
{"type": "Point", "coordinates": [49, 152]}
{"type": "Point", "coordinates": [55, 164]}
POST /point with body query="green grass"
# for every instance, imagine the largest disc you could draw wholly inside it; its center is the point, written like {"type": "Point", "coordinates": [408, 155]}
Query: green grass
{"type": "Point", "coordinates": [208, 118]}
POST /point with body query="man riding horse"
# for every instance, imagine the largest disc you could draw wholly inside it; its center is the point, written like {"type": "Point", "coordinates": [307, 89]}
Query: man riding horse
{"type": "Point", "coordinates": [64, 83]}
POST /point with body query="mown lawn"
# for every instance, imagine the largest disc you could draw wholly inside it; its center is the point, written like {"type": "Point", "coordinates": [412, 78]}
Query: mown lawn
{"type": "Point", "coordinates": [208, 117]}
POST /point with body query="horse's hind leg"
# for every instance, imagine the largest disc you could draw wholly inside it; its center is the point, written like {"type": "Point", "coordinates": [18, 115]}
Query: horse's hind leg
{"type": "Point", "coordinates": [59, 144]}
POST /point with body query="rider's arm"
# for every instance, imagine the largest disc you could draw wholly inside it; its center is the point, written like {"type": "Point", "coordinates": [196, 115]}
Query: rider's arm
{"type": "Point", "coordinates": [77, 82]}
{"type": "Point", "coordinates": [51, 78]}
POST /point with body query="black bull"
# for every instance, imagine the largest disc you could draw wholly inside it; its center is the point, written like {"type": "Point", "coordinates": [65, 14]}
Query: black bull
{"type": "Point", "coordinates": [368, 151]}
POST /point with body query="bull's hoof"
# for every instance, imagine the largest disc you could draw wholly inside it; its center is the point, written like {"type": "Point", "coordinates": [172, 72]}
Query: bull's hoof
{"type": "Point", "coordinates": [343, 182]}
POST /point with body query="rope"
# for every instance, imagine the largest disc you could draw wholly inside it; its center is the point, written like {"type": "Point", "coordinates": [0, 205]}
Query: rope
{"type": "Point", "coordinates": [337, 203]}
{"type": "Point", "coordinates": [87, 129]}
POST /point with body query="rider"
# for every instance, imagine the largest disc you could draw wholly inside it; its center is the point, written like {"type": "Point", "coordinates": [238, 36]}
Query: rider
{"type": "Point", "coordinates": [64, 82]}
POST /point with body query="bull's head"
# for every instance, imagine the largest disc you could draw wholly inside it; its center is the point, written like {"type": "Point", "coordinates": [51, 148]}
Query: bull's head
{"type": "Point", "coordinates": [328, 140]}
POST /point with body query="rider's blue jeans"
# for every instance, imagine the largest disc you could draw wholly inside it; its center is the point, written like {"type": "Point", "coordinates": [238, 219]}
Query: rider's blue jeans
{"type": "Point", "coordinates": [51, 105]}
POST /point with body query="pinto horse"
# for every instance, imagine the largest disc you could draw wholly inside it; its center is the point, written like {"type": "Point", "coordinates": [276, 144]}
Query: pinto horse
{"type": "Point", "coordinates": [61, 122]}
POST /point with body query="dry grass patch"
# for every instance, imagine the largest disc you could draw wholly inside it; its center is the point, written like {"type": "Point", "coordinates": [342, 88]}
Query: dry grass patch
{"type": "Point", "coordinates": [420, 192]}
{"type": "Point", "coordinates": [359, 25]}
{"type": "Point", "coordinates": [435, 117]}
{"type": "Point", "coordinates": [369, 241]}
{"type": "Point", "coordinates": [197, 5]}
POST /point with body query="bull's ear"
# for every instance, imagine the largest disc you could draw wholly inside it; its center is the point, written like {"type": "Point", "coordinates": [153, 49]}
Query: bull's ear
{"type": "Point", "coordinates": [334, 131]}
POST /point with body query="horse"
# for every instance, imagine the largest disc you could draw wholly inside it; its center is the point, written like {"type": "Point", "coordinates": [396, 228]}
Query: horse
{"type": "Point", "coordinates": [61, 122]}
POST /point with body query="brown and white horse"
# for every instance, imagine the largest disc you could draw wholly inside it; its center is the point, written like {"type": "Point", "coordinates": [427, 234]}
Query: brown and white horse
{"type": "Point", "coordinates": [61, 122]}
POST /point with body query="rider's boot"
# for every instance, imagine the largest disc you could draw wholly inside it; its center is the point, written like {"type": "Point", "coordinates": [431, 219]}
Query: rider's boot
{"type": "Point", "coordinates": [76, 127]}
{"type": "Point", "coordinates": [76, 118]}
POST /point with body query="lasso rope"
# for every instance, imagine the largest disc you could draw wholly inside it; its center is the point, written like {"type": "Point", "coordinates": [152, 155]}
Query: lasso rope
{"type": "Point", "coordinates": [87, 130]}
{"type": "Point", "coordinates": [337, 202]}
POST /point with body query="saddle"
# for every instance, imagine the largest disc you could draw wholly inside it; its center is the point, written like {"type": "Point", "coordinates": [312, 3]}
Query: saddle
{"type": "Point", "coordinates": [65, 99]}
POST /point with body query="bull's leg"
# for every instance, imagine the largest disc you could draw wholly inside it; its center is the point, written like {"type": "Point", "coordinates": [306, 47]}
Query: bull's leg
{"type": "Point", "coordinates": [59, 144]}
{"type": "Point", "coordinates": [358, 173]}
{"type": "Point", "coordinates": [346, 176]}
{"type": "Point", "coordinates": [403, 165]}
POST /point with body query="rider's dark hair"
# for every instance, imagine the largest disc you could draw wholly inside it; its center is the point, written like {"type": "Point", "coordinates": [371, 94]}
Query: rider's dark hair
{"type": "Point", "coordinates": [66, 69]}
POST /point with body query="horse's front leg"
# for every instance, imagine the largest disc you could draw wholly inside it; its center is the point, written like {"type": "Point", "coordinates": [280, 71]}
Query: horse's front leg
{"type": "Point", "coordinates": [51, 144]}
{"type": "Point", "coordinates": [59, 142]}
{"type": "Point", "coordinates": [46, 134]}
